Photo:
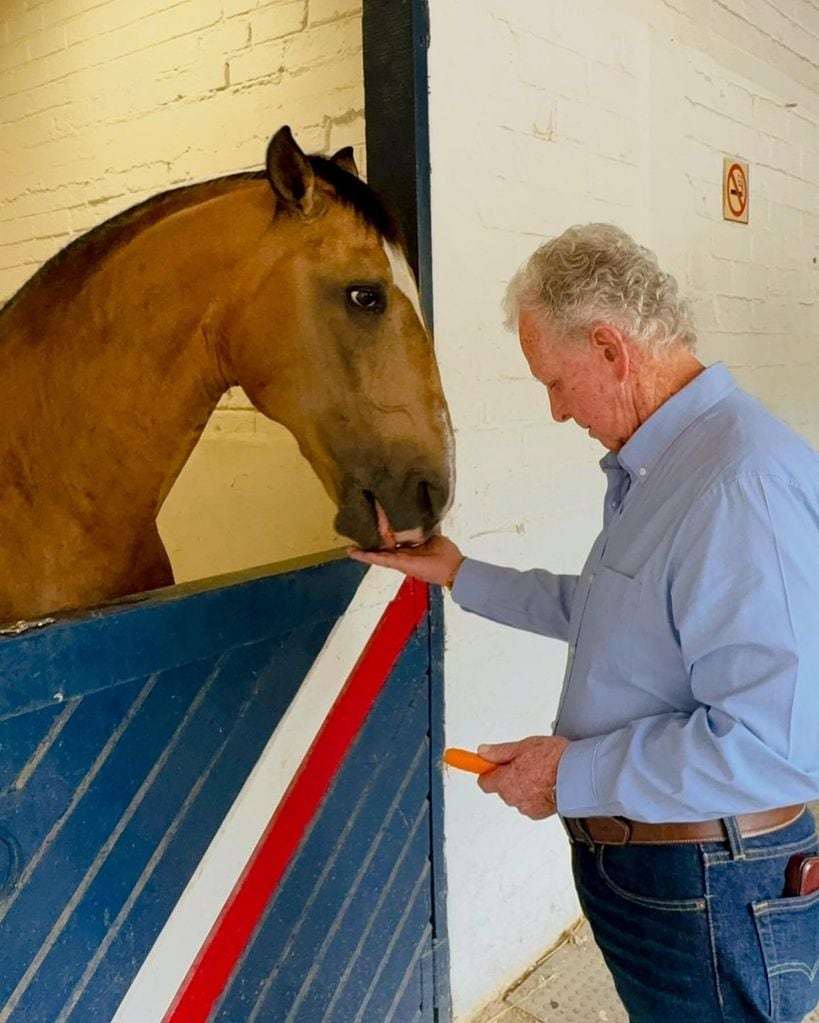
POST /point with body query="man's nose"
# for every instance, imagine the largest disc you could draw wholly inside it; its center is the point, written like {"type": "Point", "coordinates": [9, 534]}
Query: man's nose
{"type": "Point", "coordinates": [559, 413]}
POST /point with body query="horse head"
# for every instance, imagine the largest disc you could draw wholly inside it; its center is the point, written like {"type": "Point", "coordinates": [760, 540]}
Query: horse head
{"type": "Point", "coordinates": [324, 331]}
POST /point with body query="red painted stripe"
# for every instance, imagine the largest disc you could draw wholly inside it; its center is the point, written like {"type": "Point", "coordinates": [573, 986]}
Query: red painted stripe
{"type": "Point", "coordinates": [217, 959]}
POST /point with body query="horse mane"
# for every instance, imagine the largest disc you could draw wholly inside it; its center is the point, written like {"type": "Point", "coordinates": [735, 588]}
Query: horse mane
{"type": "Point", "coordinates": [360, 197]}
{"type": "Point", "coordinates": [69, 267]}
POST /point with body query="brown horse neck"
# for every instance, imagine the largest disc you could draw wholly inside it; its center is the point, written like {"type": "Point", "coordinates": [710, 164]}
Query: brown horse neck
{"type": "Point", "coordinates": [116, 382]}
{"type": "Point", "coordinates": [107, 378]}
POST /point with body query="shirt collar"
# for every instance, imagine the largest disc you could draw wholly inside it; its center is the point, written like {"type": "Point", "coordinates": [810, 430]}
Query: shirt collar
{"type": "Point", "coordinates": [645, 446]}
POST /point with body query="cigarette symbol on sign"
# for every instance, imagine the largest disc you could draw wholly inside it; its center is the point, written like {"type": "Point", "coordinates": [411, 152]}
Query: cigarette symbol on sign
{"type": "Point", "coordinates": [737, 190]}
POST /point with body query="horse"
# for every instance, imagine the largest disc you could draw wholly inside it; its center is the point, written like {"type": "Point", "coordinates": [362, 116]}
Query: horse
{"type": "Point", "coordinates": [291, 282]}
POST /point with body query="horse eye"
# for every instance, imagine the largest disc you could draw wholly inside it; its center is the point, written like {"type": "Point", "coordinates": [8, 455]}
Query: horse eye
{"type": "Point", "coordinates": [371, 300]}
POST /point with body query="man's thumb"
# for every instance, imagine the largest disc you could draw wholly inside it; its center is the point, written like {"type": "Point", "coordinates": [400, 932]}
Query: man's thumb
{"type": "Point", "coordinates": [499, 752]}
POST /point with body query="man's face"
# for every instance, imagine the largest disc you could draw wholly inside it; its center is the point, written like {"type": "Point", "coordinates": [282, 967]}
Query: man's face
{"type": "Point", "coordinates": [581, 378]}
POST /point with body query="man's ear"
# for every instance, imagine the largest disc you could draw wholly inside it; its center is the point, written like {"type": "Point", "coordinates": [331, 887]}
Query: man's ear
{"type": "Point", "coordinates": [610, 345]}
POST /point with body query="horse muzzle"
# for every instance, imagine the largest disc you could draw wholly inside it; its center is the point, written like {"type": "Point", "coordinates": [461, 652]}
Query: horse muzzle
{"type": "Point", "coordinates": [390, 512]}
{"type": "Point", "coordinates": [389, 538]}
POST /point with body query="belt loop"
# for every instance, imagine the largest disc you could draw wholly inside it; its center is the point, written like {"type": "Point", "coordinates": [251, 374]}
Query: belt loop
{"type": "Point", "coordinates": [584, 835]}
{"type": "Point", "coordinates": [576, 831]}
{"type": "Point", "coordinates": [734, 836]}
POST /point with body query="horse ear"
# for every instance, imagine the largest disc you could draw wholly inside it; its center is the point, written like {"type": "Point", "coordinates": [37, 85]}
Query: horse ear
{"type": "Point", "coordinates": [289, 171]}
{"type": "Point", "coordinates": [344, 158]}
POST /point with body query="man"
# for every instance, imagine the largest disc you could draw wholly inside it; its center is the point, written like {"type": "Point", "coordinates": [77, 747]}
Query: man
{"type": "Point", "coordinates": [687, 736]}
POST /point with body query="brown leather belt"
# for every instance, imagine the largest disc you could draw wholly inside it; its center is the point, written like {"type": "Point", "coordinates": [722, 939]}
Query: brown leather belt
{"type": "Point", "coordinates": [622, 831]}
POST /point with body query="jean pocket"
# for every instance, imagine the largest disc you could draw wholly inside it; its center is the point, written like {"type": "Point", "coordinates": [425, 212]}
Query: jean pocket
{"type": "Point", "coordinates": [654, 877]}
{"type": "Point", "coordinates": [788, 931]}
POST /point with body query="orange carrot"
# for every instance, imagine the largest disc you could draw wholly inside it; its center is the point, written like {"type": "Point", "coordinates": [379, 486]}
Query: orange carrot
{"type": "Point", "coordinates": [466, 761]}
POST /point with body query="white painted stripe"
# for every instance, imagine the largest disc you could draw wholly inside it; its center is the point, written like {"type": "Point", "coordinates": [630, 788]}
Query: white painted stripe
{"type": "Point", "coordinates": [339, 919]}
{"type": "Point", "coordinates": [45, 744]}
{"type": "Point", "coordinates": [101, 759]}
{"type": "Point", "coordinates": [175, 950]}
{"type": "Point", "coordinates": [397, 934]}
{"type": "Point", "coordinates": [126, 818]}
{"type": "Point", "coordinates": [386, 889]}
{"type": "Point", "coordinates": [424, 942]}
{"type": "Point", "coordinates": [402, 278]}
{"type": "Point", "coordinates": [149, 868]}
{"type": "Point", "coordinates": [339, 846]}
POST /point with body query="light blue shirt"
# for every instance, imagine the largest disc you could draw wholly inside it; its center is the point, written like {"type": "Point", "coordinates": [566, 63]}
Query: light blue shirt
{"type": "Point", "coordinates": [692, 679]}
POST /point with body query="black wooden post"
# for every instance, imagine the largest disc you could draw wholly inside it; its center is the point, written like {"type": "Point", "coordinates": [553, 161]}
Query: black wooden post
{"type": "Point", "coordinates": [395, 42]}
{"type": "Point", "coordinates": [396, 35]}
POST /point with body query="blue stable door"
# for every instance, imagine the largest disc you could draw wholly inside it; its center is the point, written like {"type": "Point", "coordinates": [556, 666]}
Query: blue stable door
{"type": "Point", "coordinates": [221, 802]}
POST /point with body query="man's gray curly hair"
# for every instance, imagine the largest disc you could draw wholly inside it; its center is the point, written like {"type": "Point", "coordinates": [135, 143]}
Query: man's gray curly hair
{"type": "Point", "coordinates": [597, 273]}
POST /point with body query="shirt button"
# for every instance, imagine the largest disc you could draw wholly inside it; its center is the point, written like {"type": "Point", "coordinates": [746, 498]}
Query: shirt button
{"type": "Point", "coordinates": [571, 649]}
{"type": "Point", "coordinates": [643, 470]}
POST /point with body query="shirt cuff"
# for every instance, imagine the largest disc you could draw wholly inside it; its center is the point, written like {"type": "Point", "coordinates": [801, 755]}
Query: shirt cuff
{"type": "Point", "coordinates": [576, 792]}
{"type": "Point", "coordinates": [468, 581]}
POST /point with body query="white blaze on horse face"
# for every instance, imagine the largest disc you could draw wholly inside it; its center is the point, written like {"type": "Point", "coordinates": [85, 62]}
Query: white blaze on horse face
{"type": "Point", "coordinates": [450, 457]}
{"type": "Point", "coordinates": [403, 280]}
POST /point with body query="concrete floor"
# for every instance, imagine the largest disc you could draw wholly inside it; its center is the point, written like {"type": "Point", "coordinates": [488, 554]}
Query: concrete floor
{"type": "Point", "coordinates": [570, 985]}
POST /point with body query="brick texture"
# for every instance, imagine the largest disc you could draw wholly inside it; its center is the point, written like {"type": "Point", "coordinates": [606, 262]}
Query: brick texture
{"type": "Point", "coordinates": [104, 104]}
{"type": "Point", "coordinates": [613, 110]}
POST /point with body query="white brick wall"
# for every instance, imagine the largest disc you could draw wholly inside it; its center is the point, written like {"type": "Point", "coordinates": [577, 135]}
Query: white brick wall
{"type": "Point", "coordinates": [103, 104]}
{"type": "Point", "coordinates": [618, 110]}
{"type": "Point", "coordinates": [543, 114]}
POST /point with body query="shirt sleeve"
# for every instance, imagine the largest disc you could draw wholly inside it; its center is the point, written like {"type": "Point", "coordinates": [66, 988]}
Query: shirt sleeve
{"type": "Point", "coordinates": [535, 601]}
{"type": "Point", "coordinates": [743, 593]}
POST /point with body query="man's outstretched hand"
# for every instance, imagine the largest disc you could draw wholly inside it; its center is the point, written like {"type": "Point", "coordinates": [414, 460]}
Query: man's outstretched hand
{"type": "Point", "coordinates": [436, 561]}
{"type": "Point", "coordinates": [526, 776]}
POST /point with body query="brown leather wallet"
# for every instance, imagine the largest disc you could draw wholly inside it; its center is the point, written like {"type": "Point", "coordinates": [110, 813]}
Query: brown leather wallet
{"type": "Point", "coordinates": [802, 875]}
{"type": "Point", "coordinates": [622, 831]}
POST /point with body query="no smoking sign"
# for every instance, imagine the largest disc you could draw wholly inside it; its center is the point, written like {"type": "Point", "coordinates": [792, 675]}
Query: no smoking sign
{"type": "Point", "coordinates": [735, 190]}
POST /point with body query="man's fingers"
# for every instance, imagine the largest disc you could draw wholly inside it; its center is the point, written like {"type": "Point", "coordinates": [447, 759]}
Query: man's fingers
{"type": "Point", "coordinates": [399, 561]}
{"type": "Point", "coordinates": [499, 752]}
{"type": "Point", "coordinates": [535, 811]}
{"type": "Point", "coordinates": [418, 562]}
{"type": "Point", "coordinates": [525, 774]}
{"type": "Point", "coordinates": [485, 784]}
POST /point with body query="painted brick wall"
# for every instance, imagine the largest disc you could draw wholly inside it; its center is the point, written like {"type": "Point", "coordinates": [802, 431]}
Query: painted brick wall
{"type": "Point", "coordinates": [545, 114]}
{"type": "Point", "coordinates": [105, 104]}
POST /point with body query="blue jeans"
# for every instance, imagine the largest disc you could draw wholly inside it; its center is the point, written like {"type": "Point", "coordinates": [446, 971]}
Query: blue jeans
{"type": "Point", "coordinates": [700, 933]}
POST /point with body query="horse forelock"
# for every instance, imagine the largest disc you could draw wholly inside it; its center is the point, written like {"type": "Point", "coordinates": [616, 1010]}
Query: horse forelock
{"type": "Point", "coordinates": [362, 198]}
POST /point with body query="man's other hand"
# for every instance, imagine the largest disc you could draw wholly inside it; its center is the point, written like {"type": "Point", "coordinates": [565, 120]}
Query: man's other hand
{"type": "Point", "coordinates": [526, 777]}
{"type": "Point", "coordinates": [436, 561]}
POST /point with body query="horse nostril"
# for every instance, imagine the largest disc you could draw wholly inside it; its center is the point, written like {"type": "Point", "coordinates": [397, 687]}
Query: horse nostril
{"type": "Point", "coordinates": [425, 498]}
{"type": "Point", "coordinates": [433, 499]}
